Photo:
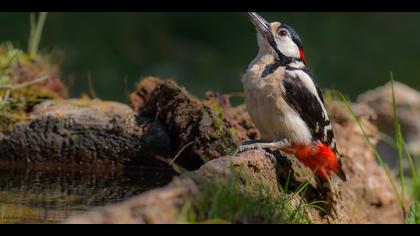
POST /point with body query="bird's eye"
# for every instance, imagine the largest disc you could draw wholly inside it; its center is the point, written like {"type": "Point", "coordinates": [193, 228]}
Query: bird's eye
{"type": "Point", "coordinates": [283, 33]}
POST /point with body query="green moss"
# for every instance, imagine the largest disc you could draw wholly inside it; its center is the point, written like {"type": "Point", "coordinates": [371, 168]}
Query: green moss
{"type": "Point", "coordinates": [220, 131]}
{"type": "Point", "coordinates": [225, 201]}
{"type": "Point", "coordinates": [25, 82]}
{"type": "Point", "coordinates": [233, 131]}
{"type": "Point", "coordinates": [38, 198]}
{"type": "Point", "coordinates": [8, 56]}
{"type": "Point", "coordinates": [8, 120]}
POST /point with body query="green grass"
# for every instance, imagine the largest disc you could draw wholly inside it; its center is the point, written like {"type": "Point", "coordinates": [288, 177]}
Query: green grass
{"type": "Point", "coordinates": [13, 55]}
{"type": "Point", "coordinates": [225, 202]}
{"type": "Point", "coordinates": [400, 145]}
{"type": "Point", "coordinates": [36, 33]}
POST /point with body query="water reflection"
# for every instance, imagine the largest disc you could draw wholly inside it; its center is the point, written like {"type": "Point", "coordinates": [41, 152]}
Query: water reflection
{"type": "Point", "coordinates": [49, 194]}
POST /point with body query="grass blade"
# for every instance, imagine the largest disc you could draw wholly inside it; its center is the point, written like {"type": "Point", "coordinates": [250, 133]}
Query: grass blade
{"type": "Point", "coordinates": [399, 144]}
{"type": "Point", "coordinates": [374, 149]}
{"type": "Point", "coordinates": [36, 32]}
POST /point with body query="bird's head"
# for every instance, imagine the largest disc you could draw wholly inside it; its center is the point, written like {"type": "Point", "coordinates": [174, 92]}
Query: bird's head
{"type": "Point", "coordinates": [277, 38]}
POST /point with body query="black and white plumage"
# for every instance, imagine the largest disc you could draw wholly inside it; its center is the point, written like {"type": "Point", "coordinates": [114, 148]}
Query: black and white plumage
{"type": "Point", "coordinates": [281, 95]}
{"type": "Point", "coordinates": [305, 96]}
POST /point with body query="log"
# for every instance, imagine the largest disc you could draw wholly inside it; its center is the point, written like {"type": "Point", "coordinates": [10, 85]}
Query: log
{"type": "Point", "coordinates": [199, 133]}
{"type": "Point", "coordinates": [86, 132]}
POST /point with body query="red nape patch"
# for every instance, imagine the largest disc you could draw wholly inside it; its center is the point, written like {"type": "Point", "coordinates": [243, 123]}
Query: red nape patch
{"type": "Point", "coordinates": [318, 157]}
{"type": "Point", "coordinates": [302, 55]}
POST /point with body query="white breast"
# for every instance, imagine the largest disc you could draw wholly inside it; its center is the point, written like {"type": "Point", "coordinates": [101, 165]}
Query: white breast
{"type": "Point", "coordinates": [272, 116]}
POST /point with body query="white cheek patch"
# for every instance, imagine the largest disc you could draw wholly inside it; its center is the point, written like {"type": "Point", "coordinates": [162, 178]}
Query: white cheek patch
{"type": "Point", "coordinates": [287, 47]}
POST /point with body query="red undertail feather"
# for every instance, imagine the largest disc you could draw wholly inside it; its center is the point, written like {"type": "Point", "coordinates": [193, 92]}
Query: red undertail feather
{"type": "Point", "coordinates": [318, 157]}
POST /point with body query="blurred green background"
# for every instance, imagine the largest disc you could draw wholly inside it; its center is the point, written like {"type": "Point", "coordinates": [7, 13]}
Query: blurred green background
{"type": "Point", "coordinates": [351, 52]}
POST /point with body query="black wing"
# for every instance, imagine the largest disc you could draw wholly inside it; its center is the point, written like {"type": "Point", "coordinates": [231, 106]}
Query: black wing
{"type": "Point", "coordinates": [309, 107]}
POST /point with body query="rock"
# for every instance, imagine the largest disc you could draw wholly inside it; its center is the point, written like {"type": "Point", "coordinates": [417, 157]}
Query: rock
{"type": "Point", "coordinates": [408, 108]}
{"type": "Point", "coordinates": [164, 205]}
{"type": "Point", "coordinates": [160, 206]}
{"type": "Point", "coordinates": [86, 132]}
{"type": "Point", "coordinates": [197, 130]}
{"type": "Point", "coordinates": [366, 197]}
{"type": "Point", "coordinates": [252, 168]}
{"type": "Point", "coordinates": [236, 119]}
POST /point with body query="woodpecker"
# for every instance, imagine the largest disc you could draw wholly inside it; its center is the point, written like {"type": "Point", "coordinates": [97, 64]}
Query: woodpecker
{"type": "Point", "coordinates": [286, 104]}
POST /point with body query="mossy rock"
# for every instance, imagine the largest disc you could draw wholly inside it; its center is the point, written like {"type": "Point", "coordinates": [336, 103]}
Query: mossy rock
{"type": "Point", "coordinates": [25, 82]}
{"type": "Point", "coordinates": [8, 120]}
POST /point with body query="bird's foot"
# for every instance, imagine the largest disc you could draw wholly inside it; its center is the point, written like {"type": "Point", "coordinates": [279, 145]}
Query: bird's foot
{"type": "Point", "coordinates": [252, 145]}
{"type": "Point", "coordinates": [248, 145]}
{"type": "Point", "coordinates": [258, 145]}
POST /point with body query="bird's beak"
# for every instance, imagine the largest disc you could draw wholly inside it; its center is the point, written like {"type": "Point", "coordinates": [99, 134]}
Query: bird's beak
{"type": "Point", "coordinates": [262, 25]}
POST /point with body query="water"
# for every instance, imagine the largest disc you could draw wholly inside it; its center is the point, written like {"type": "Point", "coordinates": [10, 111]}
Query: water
{"type": "Point", "coordinates": [52, 194]}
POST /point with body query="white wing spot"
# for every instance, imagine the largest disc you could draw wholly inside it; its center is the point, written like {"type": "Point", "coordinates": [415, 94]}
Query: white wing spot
{"type": "Point", "coordinates": [326, 129]}
{"type": "Point", "coordinates": [333, 143]}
